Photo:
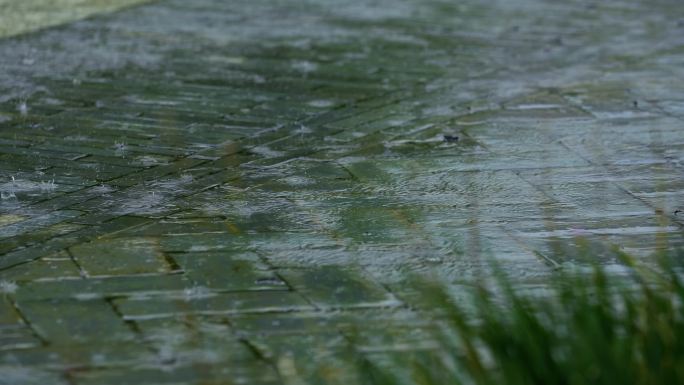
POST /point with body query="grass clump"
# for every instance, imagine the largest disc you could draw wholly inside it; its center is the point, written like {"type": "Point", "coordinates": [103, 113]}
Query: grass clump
{"type": "Point", "coordinates": [587, 327]}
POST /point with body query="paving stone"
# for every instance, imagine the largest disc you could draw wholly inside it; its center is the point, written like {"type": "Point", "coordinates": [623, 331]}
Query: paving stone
{"type": "Point", "coordinates": [40, 235]}
{"type": "Point", "coordinates": [229, 271]}
{"type": "Point", "coordinates": [319, 358]}
{"type": "Point", "coordinates": [71, 199]}
{"type": "Point", "coordinates": [56, 266]}
{"type": "Point", "coordinates": [36, 223]}
{"type": "Point", "coordinates": [200, 301]}
{"type": "Point", "coordinates": [347, 321]}
{"type": "Point", "coordinates": [212, 373]}
{"type": "Point", "coordinates": [155, 172]}
{"type": "Point", "coordinates": [331, 287]}
{"type": "Point", "coordinates": [173, 227]}
{"type": "Point", "coordinates": [57, 244]}
{"type": "Point", "coordinates": [97, 288]}
{"type": "Point", "coordinates": [206, 192]}
{"type": "Point", "coordinates": [18, 375]}
{"type": "Point", "coordinates": [192, 340]}
{"type": "Point", "coordinates": [68, 321]}
{"type": "Point", "coordinates": [17, 338]}
{"type": "Point", "coordinates": [229, 240]}
{"type": "Point", "coordinates": [28, 254]}
{"type": "Point", "coordinates": [8, 315]}
{"type": "Point", "coordinates": [134, 255]}
{"type": "Point", "coordinates": [75, 356]}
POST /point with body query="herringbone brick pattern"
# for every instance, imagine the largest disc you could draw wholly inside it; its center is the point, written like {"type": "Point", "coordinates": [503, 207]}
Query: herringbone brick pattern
{"type": "Point", "coordinates": [218, 192]}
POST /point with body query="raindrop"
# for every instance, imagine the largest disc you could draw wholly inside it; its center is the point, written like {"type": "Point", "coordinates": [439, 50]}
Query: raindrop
{"type": "Point", "coordinates": [270, 281]}
{"type": "Point", "coordinates": [47, 186]}
{"type": "Point", "coordinates": [8, 287]}
{"type": "Point", "coordinates": [433, 259]}
{"type": "Point", "coordinates": [120, 148]}
{"type": "Point", "coordinates": [23, 108]}
{"type": "Point", "coordinates": [304, 66]}
{"type": "Point", "coordinates": [304, 129]}
{"type": "Point", "coordinates": [321, 103]}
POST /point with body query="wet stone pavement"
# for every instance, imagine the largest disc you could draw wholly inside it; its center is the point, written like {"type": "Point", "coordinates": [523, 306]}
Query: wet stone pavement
{"type": "Point", "coordinates": [219, 192]}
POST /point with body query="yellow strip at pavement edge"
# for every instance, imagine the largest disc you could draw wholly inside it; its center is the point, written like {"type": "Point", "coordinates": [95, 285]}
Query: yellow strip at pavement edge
{"type": "Point", "coordinates": [21, 16]}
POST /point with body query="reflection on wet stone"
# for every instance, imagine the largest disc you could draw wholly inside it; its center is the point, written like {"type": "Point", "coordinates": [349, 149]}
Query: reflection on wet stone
{"type": "Point", "coordinates": [210, 189]}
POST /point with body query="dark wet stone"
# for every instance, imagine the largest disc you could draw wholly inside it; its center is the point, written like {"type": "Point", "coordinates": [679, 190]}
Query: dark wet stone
{"type": "Point", "coordinates": [191, 189]}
